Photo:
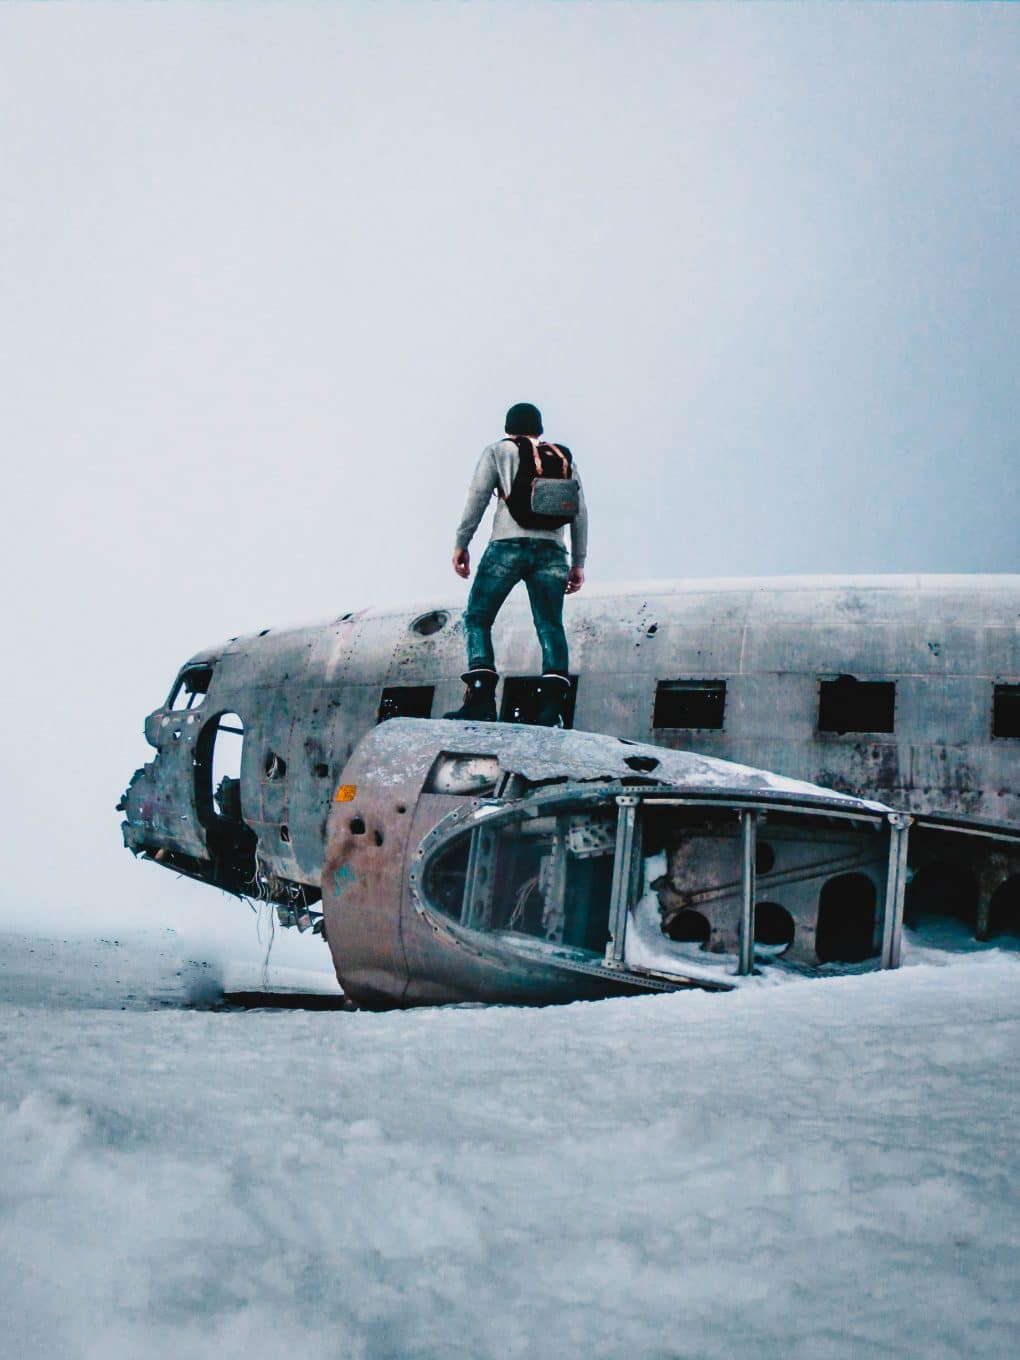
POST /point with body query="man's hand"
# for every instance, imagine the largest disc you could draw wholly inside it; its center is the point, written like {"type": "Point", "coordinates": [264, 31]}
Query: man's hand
{"type": "Point", "coordinates": [462, 563]}
{"type": "Point", "coordinates": [575, 580]}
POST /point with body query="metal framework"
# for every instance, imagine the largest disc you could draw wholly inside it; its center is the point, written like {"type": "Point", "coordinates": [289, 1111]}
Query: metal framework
{"type": "Point", "coordinates": [623, 876]}
{"type": "Point", "coordinates": [628, 832]}
{"type": "Point", "coordinates": [748, 847]}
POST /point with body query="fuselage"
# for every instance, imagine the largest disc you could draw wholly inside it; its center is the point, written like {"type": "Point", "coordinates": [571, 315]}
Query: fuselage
{"type": "Point", "coordinates": [902, 688]}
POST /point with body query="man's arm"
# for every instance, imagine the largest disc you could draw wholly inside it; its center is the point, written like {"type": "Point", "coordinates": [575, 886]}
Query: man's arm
{"type": "Point", "coordinates": [578, 541]}
{"type": "Point", "coordinates": [483, 484]}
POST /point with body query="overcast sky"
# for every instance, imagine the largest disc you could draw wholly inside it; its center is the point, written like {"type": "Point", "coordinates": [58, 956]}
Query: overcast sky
{"type": "Point", "coordinates": [271, 274]}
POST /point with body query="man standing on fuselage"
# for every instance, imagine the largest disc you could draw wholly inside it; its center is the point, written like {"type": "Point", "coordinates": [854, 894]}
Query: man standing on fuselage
{"type": "Point", "coordinates": [534, 555]}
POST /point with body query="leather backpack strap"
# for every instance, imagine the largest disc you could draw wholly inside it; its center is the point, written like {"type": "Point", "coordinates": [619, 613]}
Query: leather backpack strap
{"type": "Point", "coordinates": [534, 445]}
{"type": "Point", "coordinates": [555, 448]}
{"type": "Point", "coordinates": [520, 440]}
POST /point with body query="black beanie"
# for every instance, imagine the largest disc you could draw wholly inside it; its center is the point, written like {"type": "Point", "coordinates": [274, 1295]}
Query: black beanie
{"type": "Point", "coordinates": [524, 419]}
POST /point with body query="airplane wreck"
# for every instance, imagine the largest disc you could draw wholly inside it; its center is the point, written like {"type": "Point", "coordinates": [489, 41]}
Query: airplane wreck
{"type": "Point", "coordinates": [469, 862]}
{"type": "Point", "coordinates": [498, 862]}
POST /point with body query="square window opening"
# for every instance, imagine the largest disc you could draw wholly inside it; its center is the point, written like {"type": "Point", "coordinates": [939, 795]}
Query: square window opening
{"type": "Point", "coordinates": [1006, 711]}
{"type": "Point", "coordinates": [521, 698]}
{"type": "Point", "coordinates": [690, 704]}
{"type": "Point", "coordinates": [850, 705]}
{"type": "Point", "coordinates": [406, 701]}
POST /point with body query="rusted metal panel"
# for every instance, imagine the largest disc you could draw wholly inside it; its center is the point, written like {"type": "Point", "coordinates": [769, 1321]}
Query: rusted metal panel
{"type": "Point", "coordinates": [395, 943]}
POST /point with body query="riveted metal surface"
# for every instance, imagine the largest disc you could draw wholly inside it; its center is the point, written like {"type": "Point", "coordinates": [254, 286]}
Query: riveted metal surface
{"type": "Point", "coordinates": [308, 695]}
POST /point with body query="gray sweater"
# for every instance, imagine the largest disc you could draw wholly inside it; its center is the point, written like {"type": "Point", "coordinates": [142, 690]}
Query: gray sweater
{"type": "Point", "coordinates": [496, 469]}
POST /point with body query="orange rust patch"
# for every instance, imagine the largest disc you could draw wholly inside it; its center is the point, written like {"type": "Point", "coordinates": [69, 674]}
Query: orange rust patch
{"type": "Point", "coordinates": [345, 793]}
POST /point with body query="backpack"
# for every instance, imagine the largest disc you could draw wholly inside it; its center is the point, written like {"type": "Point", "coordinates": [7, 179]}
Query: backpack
{"type": "Point", "coordinates": [544, 493]}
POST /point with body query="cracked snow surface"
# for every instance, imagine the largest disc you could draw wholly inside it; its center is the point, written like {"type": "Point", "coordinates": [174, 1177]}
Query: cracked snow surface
{"type": "Point", "coordinates": [822, 1170]}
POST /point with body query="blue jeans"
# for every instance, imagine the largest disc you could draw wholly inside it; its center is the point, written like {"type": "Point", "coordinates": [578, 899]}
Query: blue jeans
{"type": "Point", "coordinates": [542, 565]}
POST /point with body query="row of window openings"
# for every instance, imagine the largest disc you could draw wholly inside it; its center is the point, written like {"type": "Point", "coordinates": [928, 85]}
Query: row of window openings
{"type": "Point", "coordinates": [844, 704]}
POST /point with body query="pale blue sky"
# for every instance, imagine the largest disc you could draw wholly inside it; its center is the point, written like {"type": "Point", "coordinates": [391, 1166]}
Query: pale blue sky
{"type": "Point", "coordinates": [270, 275]}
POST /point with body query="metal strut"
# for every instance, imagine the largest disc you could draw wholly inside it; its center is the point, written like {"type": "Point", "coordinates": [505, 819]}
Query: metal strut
{"type": "Point", "coordinates": [748, 843]}
{"type": "Point", "coordinates": [619, 902]}
{"type": "Point", "coordinates": [895, 887]}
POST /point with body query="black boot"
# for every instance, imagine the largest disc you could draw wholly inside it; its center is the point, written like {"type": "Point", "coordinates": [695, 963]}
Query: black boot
{"type": "Point", "coordinates": [551, 692]}
{"type": "Point", "coordinates": [479, 698]}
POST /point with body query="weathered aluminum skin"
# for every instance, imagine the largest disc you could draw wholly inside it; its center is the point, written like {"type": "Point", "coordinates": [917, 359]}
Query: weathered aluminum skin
{"type": "Point", "coordinates": [309, 694]}
{"type": "Point", "coordinates": [388, 947]}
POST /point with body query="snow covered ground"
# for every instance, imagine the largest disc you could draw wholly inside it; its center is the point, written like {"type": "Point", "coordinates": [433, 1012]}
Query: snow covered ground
{"type": "Point", "coordinates": [825, 1169]}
